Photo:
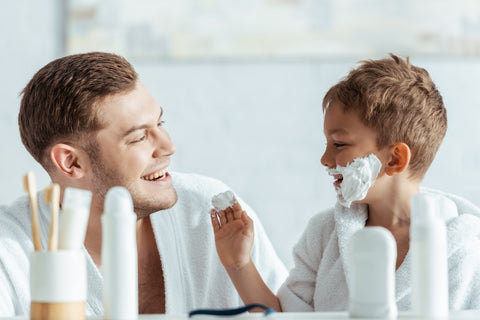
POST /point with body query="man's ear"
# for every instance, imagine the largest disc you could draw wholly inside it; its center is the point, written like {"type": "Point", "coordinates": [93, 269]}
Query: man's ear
{"type": "Point", "coordinates": [68, 159]}
{"type": "Point", "coordinates": [400, 156]}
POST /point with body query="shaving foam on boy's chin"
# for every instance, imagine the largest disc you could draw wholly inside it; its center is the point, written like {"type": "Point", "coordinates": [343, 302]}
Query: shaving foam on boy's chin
{"type": "Point", "coordinates": [358, 177]}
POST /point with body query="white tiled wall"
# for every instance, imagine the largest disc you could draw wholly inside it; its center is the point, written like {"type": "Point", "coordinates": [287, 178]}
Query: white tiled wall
{"type": "Point", "coordinates": [257, 126]}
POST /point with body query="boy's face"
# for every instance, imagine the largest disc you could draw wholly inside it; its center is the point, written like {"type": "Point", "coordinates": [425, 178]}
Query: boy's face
{"type": "Point", "coordinates": [134, 151]}
{"type": "Point", "coordinates": [347, 139]}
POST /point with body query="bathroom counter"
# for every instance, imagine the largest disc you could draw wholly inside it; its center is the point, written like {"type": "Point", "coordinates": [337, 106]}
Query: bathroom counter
{"type": "Point", "coordinates": [461, 315]}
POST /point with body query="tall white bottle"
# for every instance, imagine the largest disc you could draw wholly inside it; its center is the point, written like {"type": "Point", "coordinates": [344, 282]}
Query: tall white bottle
{"type": "Point", "coordinates": [119, 256]}
{"type": "Point", "coordinates": [428, 246]}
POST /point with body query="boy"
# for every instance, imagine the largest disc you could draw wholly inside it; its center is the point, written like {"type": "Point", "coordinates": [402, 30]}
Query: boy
{"type": "Point", "coordinates": [383, 124]}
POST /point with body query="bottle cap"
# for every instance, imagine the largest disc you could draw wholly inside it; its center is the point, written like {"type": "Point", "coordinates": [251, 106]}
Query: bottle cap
{"type": "Point", "coordinates": [118, 202]}
{"type": "Point", "coordinates": [74, 197]}
{"type": "Point", "coordinates": [424, 208]}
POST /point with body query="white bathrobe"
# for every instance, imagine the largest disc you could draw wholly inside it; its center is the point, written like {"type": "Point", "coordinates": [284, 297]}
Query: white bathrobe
{"type": "Point", "coordinates": [194, 276]}
{"type": "Point", "coordinates": [318, 281]}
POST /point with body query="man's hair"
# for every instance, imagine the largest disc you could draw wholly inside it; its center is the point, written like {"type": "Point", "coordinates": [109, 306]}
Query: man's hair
{"type": "Point", "coordinates": [400, 102]}
{"type": "Point", "coordinates": [61, 102]}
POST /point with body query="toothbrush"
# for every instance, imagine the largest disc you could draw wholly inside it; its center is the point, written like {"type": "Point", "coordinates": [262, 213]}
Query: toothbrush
{"type": "Point", "coordinates": [29, 186]}
{"type": "Point", "coordinates": [52, 196]}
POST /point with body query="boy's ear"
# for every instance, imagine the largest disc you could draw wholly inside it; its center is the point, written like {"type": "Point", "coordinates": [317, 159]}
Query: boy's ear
{"type": "Point", "coordinates": [400, 156]}
{"type": "Point", "coordinates": [68, 160]}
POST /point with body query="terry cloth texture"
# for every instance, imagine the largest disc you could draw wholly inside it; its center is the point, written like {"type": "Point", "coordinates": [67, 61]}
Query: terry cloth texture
{"type": "Point", "coordinates": [319, 279]}
{"type": "Point", "coordinates": [194, 276]}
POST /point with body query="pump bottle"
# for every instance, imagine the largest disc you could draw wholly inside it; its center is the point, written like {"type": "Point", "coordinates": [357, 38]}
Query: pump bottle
{"type": "Point", "coordinates": [74, 218]}
{"type": "Point", "coordinates": [428, 246]}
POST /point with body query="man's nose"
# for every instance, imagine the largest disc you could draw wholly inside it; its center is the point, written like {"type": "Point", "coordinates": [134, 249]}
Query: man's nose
{"type": "Point", "coordinates": [164, 145]}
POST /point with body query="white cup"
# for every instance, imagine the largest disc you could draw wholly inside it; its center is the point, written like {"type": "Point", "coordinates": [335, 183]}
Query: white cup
{"type": "Point", "coordinates": [58, 284]}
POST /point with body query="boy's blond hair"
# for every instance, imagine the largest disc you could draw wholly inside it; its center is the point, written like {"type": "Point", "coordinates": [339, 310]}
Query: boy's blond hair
{"type": "Point", "coordinates": [400, 102]}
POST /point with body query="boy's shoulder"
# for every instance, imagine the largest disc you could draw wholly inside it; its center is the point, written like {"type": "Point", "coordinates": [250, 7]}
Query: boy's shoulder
{"type": "Point", "coordinates": [324, 216]}
{"type": "Point", "coordinates": [463, 206]}
{"type": "Point", "coordinates": [462, 219]}
{"type": "Point", "coordinates": [321, 224]}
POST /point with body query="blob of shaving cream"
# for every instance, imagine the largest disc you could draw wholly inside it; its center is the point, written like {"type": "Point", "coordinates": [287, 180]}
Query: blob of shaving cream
{"type": "Point", "coordinates": [223, 200]}
{"type": "Point", "coordinates": [358, 177]}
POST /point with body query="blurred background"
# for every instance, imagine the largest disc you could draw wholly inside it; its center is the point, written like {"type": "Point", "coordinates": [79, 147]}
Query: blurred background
{"type": "Point", "coordinates": [241, 84]}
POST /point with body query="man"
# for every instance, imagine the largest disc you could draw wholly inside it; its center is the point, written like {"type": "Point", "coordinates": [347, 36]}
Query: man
{"type": "Point", "coordinates": [92, 125]}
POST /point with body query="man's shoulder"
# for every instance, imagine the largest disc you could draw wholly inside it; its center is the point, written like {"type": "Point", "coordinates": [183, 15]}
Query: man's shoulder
{"type": "Point", "coordinates": [193, 183]}
{"type": "Point", "coordinates": [195, 192]}
{"type": "Point", "coordinates": [15, 233]}
{"type": "Point", "coordinates": [15, 214]}
{"type": "Point", "coordinates": [15, 249]}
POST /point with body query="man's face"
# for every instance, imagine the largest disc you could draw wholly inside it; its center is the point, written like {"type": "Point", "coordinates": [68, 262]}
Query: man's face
{"type": "Point", "coordinates": [347, 139]}
{"type": "Point", "coordinates": [134, 151]}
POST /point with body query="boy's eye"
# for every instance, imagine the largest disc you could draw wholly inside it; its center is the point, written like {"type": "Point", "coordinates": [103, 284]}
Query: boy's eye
{"type": "Point", "coordinates": [160, 123]}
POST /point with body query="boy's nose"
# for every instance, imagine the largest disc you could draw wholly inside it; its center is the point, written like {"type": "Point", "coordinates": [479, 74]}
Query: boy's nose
{"type": "Point", "coordinates": [327, 160]}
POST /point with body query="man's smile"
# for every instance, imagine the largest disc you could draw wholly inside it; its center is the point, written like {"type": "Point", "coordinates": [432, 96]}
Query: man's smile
{"type": "Point", "coordinates": [155, 176]}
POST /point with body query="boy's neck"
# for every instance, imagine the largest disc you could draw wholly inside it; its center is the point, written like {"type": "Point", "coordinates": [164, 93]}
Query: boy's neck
{"type": "Point", "coordinates": [392, 209]}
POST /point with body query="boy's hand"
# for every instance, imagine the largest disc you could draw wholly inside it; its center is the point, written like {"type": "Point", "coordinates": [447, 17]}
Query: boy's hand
{"type": "Point", "coordinates": [233, 236]}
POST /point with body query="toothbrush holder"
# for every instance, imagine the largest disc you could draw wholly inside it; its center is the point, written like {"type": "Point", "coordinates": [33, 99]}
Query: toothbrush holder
{"type": "Point", "coordinates": [58, 285]}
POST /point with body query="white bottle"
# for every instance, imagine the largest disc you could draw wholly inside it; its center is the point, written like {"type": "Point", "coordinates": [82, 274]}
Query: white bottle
{"type": "Point", "coordinates": [74, 218]}
{"type": "Point", "coordinates": [119, 256]}
{"type": "Point", "coordinates": [372, 255]}
{"type": "Point", "coordinates": [428, 247]}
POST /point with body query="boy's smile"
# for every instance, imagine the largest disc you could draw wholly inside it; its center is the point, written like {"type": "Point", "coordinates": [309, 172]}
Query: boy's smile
{"type": "Point", "coordinates": [347, 139]}
{"type": "Point", "coordinates": [338, 180]}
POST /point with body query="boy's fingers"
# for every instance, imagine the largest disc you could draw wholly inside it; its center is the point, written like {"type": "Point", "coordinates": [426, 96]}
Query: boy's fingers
{"type": "Point", "coordinates": [246, 219]}
{"type": "Point", "coordinates": [237, 214]}
{"type": "Point", "coordinates": [237, 210]}
{"type": "Point", "coordinates": [223, 218]}
{"type": "Point", "coordinates": [214, 218]}
{"type": "Point", "coordinates": [229, 214]}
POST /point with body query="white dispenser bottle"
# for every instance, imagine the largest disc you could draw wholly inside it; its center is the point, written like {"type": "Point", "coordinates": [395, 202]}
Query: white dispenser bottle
{"type": "Point", "coordinates": [428, 246]}
{"type": "Point", "coordinates": [119, 256]}
{"type": "Point", "coordinates": [372, 256]}
{"type": "Point", "coordinates": [74, 218]}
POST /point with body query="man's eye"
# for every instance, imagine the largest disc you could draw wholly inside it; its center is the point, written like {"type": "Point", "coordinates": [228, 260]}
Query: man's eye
{"type": "Point", "coordinates": [339, 145]}
{"type": "Point", "coordinates": [140, 139]}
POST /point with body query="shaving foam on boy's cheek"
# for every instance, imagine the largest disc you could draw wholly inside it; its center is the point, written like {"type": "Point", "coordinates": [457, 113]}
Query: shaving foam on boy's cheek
{"type": "Point", "coordinates": [358, 177]}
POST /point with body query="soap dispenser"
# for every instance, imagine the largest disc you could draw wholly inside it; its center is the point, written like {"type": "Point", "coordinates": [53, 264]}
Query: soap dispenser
{"type": "Point", "coordinates": [428, 246]}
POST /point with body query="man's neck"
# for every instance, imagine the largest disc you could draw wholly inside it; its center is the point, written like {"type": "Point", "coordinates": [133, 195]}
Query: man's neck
{"type": "Point", "coordinates": [151, 286]}
{"type": "Point", "coordinates": [93, 237]}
